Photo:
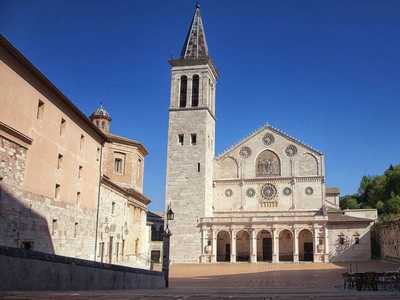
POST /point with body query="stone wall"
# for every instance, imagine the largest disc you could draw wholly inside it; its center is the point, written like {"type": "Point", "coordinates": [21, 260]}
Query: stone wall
{"type": "Point", "coordinates": [388, 237]}
{"type": "Point", "coordinates": [12, 161]}
{"type": "Point", "coordinates": [31, 270]}
{"type": "Point", "coordinates": [29, 220]}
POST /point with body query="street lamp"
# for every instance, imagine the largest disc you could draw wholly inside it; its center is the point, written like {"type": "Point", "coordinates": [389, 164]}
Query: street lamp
{"type": "Point", "coordinates": [166, 235]}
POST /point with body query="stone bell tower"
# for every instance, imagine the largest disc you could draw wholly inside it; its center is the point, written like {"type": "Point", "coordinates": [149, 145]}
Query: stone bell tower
{"type": "Point", "coordinates": [191, 135]}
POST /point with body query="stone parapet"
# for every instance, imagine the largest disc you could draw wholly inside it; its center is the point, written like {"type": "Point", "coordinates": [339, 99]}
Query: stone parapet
{"type": "Point", "coordinates": [32, 270]}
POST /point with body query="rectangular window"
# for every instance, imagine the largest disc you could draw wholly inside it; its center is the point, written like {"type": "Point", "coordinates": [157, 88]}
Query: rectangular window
{"type": "Point", "coordinates": [40, 110]}
{"type": "Point", "coordinates": [198, 167]}
{"type": "Point", "coordinates": [80, 171]}
{"type": "Point", "coordinates": [357, 240]}
{"type": "Point", "coordinates": [62, 127]}
{"type": "Point", "coordinates": [193, 139]}
{"type": "Point", "coordinates": [320, 241]}
{"type": "Point", "coordinates": [118, 165]}
{"type": "Point", "coordinates": [76, 230]}
{"type": "Point", "coordinates": [60, 160]}
{"type": "Point", "coordinates": [341, 241]}
{"type": "Point", "coordinates": [180, 139]}
{"type": "Point", "coordinates": [155, 256]}
{"type": "Point", "coordinates": [112, 207]}
{"type": "Point", "coordinates": [54, 227]}
{"type": "Point", "coordinates": [82, 141]}
{"type": "Point", "coordinates": [57, 191]}
{"type": "Point", "coordinates": [78, 197]}
{"type": "Point", "coordinates": [27, 245]}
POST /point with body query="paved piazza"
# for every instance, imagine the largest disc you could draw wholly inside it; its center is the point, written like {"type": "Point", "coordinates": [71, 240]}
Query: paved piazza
{"type": "Point", "coordinates": [259, 281]}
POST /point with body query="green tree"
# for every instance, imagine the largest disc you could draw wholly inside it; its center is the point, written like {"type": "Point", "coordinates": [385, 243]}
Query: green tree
{"type": "Point", "coordinates": [348, 202]}
{"type": "Point", "coordinates": [392, 206]}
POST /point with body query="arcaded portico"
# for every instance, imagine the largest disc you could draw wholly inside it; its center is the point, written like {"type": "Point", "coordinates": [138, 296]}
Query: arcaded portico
{"type": "Point", "coordinates": [265, 239]}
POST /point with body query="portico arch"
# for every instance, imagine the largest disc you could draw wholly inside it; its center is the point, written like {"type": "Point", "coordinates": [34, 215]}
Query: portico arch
{"type": "Point", "coordinates": [242, 246]}
{"type": "Point", "coordinates": [223, 246]}
{"type": "Point", "coordinates": [306, 246]}
{"type": "Point", "coordinates": [286, 245]}
{"type": "Point", "coordinates": [264, 245]}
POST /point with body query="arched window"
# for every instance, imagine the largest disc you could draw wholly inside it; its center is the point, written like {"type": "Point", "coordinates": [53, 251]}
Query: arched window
{"type": "Point", "coordinates": [154, 233]}
{"type": "Point", "coordinates": [182, 99]}
{"type": "Point", "coordinates": [103, 124]}
{"type": "Point", "coordinates": [195, 91]}
{"type": "Point", "coordinates": [160, 233]}
{"type": "Point", "coordinates": [97, 123]}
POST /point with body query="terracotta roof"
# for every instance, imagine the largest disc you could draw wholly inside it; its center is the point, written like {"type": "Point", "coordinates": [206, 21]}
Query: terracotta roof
{"type": "Point", "coordinates": [332, 190]}
{"type": "Point", "coordinates": [195, 45]}
{"type": "Point", "coordinates": [126, 141]}
{"type": "Point", "coordinates": [344, 218]}
{"type": "Point", "coordinates": [127, 191]}
{"type": "Point", "coordinates": [330, 209]}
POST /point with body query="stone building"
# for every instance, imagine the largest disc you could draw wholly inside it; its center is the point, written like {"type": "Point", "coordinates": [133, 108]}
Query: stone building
{"type": "Point", "coordinates": [155, 222]}
{"type": "Point", "coordinates": [122, 230]}
{"type": "Point", "coordinates": [68, 186]}
{"type": "Point", "coordinates": [264, 199]}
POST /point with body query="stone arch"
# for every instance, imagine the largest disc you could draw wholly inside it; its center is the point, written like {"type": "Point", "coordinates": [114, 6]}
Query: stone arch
{"type": "Point", "coordinates": [306, 245]}
{"type": "Point", "coordinates": [223, 246]}
{"type": "Point", "coordinates": [242, 245]}
{"type": "Point", "coordinates": [268, 164]}
{"type": "Point", "coordinates": [183, 91]}
{"type": "Point", "coordinates": [195, 90]}
{"type": "Point", "coordinates": [286, 245]}
{"type": "Point", "coordinates": [307, 165]}
{"type": "Point", "coordinates": [264, 245]}
{"type": "Point", "coordinates": [228, 168]}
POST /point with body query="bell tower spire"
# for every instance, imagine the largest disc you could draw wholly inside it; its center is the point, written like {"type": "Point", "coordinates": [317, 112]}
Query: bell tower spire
{"type": "Point", "coordinates": [191, 134]}
{"type": "Point", "coordinates": [195, 44]}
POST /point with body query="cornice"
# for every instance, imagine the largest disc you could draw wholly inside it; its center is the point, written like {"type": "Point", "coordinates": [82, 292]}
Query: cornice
{"type": "Point", "coordinates": [23, 61]}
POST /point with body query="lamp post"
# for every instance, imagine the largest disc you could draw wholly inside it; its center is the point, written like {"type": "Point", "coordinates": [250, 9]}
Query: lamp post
{"type": "Point", "coordinates": [166, 235]}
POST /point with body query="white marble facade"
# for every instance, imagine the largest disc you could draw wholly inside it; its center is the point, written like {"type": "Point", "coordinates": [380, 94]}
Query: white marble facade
{"type": "Point", "coordinates": [263, 199]}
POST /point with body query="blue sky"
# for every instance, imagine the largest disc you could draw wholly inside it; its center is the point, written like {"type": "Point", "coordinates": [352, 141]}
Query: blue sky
{"type": "Point", "coordinates": [324, 72]}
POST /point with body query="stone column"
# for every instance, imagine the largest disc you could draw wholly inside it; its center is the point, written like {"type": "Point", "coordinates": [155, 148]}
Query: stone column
{"type": "Point", "coordinates": [203, 257]}
{"type": "Point", "coordinates": [315, 246]}
{"type": "Point", "coordinates": [233, 245]}
{"type": "Point", "coordinates": [189, 92]}
{"type": "Point", "coordinates": [253, 246]}
{"type": "Point", "coordinates": [326, 245]}
{"type": "Point", "coordinates": [275, 246]}
{"type": "Point", "coordinates": [296, 245]}
{"type": "Point", "coordinates": [214, 249]}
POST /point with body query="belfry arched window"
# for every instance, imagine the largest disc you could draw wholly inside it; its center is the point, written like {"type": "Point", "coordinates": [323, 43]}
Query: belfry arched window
{"type": "Point", "coordinates": [195, 91]}
{"type": "Point", "coordinates": [183, 92]}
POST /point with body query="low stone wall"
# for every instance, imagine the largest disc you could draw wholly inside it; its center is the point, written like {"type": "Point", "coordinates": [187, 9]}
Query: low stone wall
{"type": "Point", "coordinates": [31, 270]}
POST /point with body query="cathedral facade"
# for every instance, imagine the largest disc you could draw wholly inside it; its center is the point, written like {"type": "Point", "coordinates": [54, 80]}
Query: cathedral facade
{"type": "Point", "coordinates": [263, 199]}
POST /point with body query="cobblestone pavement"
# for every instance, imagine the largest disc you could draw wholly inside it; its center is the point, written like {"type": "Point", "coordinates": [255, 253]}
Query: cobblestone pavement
{"type": "Point", "coordinates": [259, 281]}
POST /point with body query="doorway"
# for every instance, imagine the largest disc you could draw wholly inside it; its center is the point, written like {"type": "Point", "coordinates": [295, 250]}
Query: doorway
{"type": "Point", "coordinates": [267, 249]}
{"type": "Point", "coordinates": [227, 252]}
{"type": "Point", "coordinates": [308, 252]}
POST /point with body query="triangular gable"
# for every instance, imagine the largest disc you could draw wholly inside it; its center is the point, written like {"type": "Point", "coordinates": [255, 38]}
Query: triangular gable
{"type": "Point", "coordinates": [275, 131]}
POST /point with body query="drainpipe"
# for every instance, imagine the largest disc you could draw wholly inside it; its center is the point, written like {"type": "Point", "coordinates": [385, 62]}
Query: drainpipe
{"type": "Point", "coordinates": [98, 200]}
